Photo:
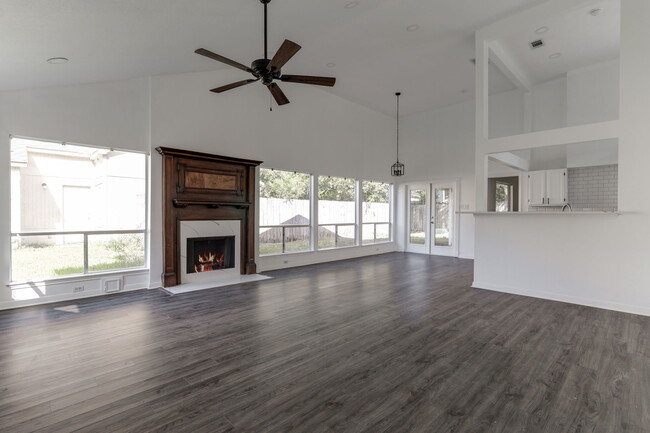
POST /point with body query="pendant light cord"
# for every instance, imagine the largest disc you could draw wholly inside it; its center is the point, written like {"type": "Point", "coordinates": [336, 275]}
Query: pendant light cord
{"type": "Point", "coordinates": [397, 94]}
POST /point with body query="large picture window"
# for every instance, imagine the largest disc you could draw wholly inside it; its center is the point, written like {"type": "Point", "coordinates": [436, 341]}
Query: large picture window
{"type": "Point", "coordinates": [75, 210]}
{"type": "Point", "coordinates": [336, 212]}
{"type": "Point", "coordinates": [375, 215]}
{"type": "Point", "coordinates": [284, 212]}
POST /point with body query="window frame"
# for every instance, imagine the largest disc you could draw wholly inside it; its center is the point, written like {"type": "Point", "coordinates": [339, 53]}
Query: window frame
{"type": "Point", "coordinates": [354, 224]}
{"type": "Point", "coordinates": [390, 215]}
{"type": "Point", "coordinates": [315, 224]}
{"type": "Point", "coordinates": [87, 233]}
{"type": "Point", "coordinates": [283, 227]}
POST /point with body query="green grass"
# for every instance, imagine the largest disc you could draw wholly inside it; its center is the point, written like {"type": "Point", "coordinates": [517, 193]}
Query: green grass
{"type": "Point", "coordinates": [40, 262]}
{"type": "Point", "coordinates": [303, 245]}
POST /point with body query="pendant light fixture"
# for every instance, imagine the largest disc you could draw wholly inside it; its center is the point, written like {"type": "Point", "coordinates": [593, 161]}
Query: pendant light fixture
{"type": "Point", "coordinates": [397, 169]}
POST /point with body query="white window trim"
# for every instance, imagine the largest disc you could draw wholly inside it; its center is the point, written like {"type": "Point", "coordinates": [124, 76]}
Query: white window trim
{"type": "Point", "coordinates": [91, 275]}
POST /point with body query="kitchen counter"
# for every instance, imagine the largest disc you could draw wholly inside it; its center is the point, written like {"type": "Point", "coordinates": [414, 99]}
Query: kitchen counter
{"type": "Point", "coordinates": [541, 213]}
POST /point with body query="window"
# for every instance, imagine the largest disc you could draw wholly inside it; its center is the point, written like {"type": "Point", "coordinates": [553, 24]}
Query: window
{"type": "Point", "coordinates": [418, 211]}
{"type": "Point", "coordinates": [284, 212]}
{"type": "Point", "coordinates": [75, 210]}
{"type": "Point", "coordinates": [375, 212]}
{"type": "Point", "coordinates": [336, 212]}
{"type": "Point", "coordinates": [443, 220]}
{"type": "Point", "coordinates": [503, 197]}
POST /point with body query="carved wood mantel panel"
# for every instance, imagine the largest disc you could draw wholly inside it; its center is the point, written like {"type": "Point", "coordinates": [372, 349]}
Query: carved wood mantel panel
{"type": "Point", "coordinates": [200, 186]}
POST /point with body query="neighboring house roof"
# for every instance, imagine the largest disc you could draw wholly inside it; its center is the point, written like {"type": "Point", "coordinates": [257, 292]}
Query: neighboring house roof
{"type": "Point", "coordinates": [21, 147]}
{"type": "Point", "coordinates": [18, 155]}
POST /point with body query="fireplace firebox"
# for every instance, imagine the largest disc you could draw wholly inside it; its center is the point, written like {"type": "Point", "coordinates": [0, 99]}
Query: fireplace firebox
{"type": "Point", "coordinates": [208, 254]}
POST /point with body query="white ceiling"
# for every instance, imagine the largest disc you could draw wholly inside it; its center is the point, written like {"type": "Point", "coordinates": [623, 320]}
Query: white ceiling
{"type": "Point", "coordinates": [581, 38]}
{"type": "Point", "coordinates": [374, 54]}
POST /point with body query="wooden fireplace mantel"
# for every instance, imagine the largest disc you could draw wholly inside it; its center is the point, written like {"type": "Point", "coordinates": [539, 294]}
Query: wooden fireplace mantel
{"type": "Point", "coordinates": [200, 186]}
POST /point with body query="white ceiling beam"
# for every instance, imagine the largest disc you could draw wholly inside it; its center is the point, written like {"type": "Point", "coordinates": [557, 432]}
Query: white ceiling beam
{"type": "Point", "coordinates": [511, 160]}
{"type": "Point", "coordinates": [510, 67]}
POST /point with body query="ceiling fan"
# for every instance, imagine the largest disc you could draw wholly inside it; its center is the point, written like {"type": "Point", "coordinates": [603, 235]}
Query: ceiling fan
{"type": "Point", "coordinates": [269, 70]}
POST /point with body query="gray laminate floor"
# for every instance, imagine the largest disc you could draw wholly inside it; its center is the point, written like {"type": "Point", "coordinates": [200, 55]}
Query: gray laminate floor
{"type": "Point", "coordinates": [393, 343]}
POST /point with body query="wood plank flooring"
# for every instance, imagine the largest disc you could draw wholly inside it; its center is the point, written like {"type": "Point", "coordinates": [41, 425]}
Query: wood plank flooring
{"type": "Point", "coordinates": [392, 343]}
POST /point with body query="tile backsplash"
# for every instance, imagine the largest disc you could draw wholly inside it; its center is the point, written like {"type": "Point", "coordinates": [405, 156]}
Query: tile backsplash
{"type": "Point", "coordinates": [594, 188]}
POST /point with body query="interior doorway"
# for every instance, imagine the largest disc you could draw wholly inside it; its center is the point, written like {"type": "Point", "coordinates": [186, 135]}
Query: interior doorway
{"type": "Point", "coordinates": [503, 194]}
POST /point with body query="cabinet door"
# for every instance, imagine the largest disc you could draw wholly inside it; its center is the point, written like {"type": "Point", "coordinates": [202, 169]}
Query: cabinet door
{"type": "Point", "coordinates": [536, 188]}
{"type": "Point", "coordinates": [556, 187]}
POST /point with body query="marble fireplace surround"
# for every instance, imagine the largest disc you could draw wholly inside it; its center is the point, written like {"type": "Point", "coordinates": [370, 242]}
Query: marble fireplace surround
{"type": "Point", "coordinates": [200, 229]}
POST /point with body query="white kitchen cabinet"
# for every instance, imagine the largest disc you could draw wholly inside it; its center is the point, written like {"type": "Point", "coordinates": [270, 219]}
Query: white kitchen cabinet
{"type": "Point", "coordinates": [547, 188]}
{"type": "Point", "coordinates": [537, 188]}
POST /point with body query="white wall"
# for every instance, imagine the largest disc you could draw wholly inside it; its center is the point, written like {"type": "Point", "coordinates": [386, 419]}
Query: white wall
{"type": "Point", "coordinates": [111, 114]}
{"type": "Point", "coordinates": [317, 133]}
{"type": "Point", "coordinates": [603, 152]}
{"type": "Point", "coordinates": [550, 105]}
{"type": "Point", "coordinates": [593, 93]}
{"type": "Point", "coordinates": [582, 96]}
{"type": "Point", "coordinates": [507, 113]}
{"type": "Point", "coordinates": [439, 146]}
{"type": "Point", "coordinates": [598, 260]}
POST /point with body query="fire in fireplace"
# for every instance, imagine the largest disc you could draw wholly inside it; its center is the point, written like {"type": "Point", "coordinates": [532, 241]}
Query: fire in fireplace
{"type": "Point", "coordinates": [210, 254]}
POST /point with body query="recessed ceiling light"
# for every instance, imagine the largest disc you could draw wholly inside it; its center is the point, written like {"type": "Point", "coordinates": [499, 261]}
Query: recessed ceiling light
{"type": "Point", "coordinates": [331, 64]}
{"type": "Point", "coordinates": [595, 12]}
{"type": "Point", "coordinates": [352, 5]}
{"type": "Point", "coordinates": [413, 28]}
{"type": "Point", "coordinates": [555, 56]}
{"type": "Point", "coordinates": [57, 60]}
{"type": "Point", "coordinates": [541, 30]}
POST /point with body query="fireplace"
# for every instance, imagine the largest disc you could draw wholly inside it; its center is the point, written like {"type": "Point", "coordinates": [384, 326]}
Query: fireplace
{"type": "Point", "coordinates": [207, 196]}
{"type": "Point", "coordinates": [207, 254]}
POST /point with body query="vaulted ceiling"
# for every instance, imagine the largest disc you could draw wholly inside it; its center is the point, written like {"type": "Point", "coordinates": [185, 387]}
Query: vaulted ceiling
{"type": "Point", "coordinates": [373, 52]}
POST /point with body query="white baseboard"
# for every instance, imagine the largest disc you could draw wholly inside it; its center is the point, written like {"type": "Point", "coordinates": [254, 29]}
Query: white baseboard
{"type": "Point", "coordinates": [291, 260]}
{"type": "Point", "coordinates": [8, 305]}
{"type": "Point", "coordinates": [588, 302]}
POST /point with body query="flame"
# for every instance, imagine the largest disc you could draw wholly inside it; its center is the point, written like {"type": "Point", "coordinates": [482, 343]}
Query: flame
{"type": "Point", "coordinates": [208, 262]}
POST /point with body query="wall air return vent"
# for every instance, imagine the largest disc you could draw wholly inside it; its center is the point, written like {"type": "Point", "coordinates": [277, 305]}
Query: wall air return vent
{"type": "Point", "coordinates": [536, 44]}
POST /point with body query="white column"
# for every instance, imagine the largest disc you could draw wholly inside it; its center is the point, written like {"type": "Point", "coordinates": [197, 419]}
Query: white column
{"type": "Point", "coordinates": [5, 214]}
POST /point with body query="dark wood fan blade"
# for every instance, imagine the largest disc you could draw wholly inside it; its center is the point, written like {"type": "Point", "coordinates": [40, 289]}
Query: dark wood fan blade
{"type": "Point", "coordinates": [307, 79]}
{"type": "Point", "coordinates": [232, 86]}
{"type": "Point", "coordinates": [278, 94]}
{"type": "Point", "coordinates": [287, 50]}
{"type": "Point", "coordinates": [222, 59]}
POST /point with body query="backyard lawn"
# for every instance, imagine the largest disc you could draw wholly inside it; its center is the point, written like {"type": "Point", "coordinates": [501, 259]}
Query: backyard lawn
{"type": "Point", "coordinates": [38, 262]}
{"type": "Point", "coordinates": [269, 248]}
